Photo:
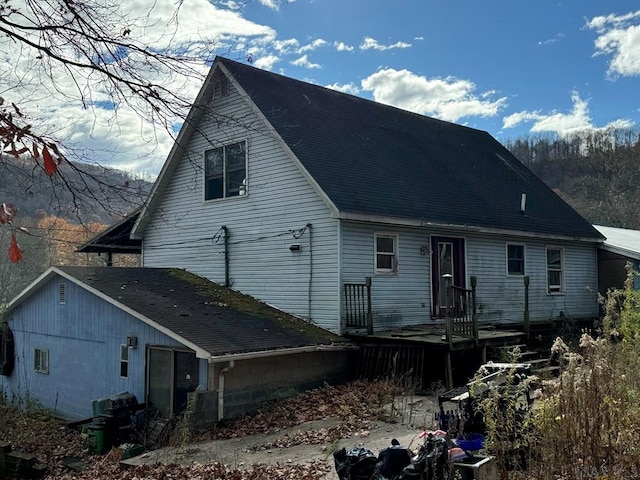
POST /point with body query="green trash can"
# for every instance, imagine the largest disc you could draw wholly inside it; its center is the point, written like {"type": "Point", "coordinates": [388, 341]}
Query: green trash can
{"type": "Point", "coordinates": [96, 438]}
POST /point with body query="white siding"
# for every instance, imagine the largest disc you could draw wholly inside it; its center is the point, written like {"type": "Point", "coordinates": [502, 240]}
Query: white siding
{"type": "Point", "coordinates": [501, 297]}
{"type": "Point", "coordinates": [185, 231]}
{"type": "Point", "coordinates": [404, 299]}
{"type": "Point", "coordinates": [399, 299]}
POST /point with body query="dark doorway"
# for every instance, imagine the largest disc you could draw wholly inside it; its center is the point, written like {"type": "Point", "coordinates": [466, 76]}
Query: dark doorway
{"type": "Point", "coordinates": [447, 269]}
{"type": "Point", "coordinates": [171, 376]}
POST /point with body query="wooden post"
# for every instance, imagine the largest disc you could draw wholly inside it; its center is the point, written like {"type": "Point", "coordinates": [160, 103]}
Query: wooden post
{"type": "Point", "coordinates": [527, 325]}
{"type": "Point", "coordinates": [369, 313]}
{"type": "Point", "coordinates": [448, 369]}
{"type": "Point", "coordinates": [474, 310]}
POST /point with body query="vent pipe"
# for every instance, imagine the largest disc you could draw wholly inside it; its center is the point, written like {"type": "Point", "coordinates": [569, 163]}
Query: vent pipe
{"type": "Point", "coordinates": [523, 203]}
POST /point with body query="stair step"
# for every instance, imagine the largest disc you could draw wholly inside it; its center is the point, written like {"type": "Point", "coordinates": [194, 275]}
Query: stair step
{"type": "Point", "coordinates": [538, 363]}
{"type": "Point", "coordinates": [548, 371]}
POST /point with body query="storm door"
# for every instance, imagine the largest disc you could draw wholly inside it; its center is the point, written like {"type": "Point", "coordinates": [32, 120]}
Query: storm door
{"type": "Point", "coordinates": [171, 375]}
{"type": "Point", "coordinates": [447, 269]}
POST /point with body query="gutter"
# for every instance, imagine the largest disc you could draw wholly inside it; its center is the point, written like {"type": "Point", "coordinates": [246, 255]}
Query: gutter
{"type": "Point", "coordinates": [282, 351]}
{"type": "Point", "coordinates": [409, 222]}
{"type": "Point", "coordinates": [221, 388]}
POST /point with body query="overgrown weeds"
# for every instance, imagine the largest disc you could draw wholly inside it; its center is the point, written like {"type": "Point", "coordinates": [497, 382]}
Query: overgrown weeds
{"type": "Point", "coordinates": [586, 423]}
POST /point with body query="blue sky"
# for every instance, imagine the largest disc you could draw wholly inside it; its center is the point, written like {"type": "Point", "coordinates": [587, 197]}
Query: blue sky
{"type": "Point", "coordinates": [512, 68]}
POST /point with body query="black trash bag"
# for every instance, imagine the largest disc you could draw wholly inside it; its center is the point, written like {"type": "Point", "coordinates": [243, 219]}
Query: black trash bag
{"type": "Point", "coordinates": [357, 463]}
{"type": "Point", "coordinates": [431, 462]}
{"type": "Point", "coordinates": [392, 461]}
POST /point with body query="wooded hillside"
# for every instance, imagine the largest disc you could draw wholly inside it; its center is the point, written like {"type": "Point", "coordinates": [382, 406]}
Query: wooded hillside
{"type": "Point", "coordinates": [57, 218]}
{"type": "Point", "coordinates": [597, 173]}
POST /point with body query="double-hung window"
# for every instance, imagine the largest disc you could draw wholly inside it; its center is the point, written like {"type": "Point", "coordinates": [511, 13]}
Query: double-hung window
{"type": "Point", "coordinates": [41, 360]}
{"type": "Point", "coordinates": [225, 170]}
{"type": "Point", "coordinates": [515, 259]}
{"type": "Point", "coordinates": [386, 253]}
{"type": "Point", "coordinates": [554, 270]}
{"type": "Point", "coordinates": [124, 361]}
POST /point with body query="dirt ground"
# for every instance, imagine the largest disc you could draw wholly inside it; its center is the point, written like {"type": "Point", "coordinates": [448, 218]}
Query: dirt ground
{"type": "Point", "coordinates": [415, 414]}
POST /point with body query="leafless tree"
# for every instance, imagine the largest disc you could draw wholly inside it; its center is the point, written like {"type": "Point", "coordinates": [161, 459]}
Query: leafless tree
{"type": "Point", "coordinates": [88, 52]}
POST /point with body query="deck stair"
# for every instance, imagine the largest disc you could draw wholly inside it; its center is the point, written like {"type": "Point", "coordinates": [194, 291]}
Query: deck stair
{"type": "Point", "coordinates": [537, 358]}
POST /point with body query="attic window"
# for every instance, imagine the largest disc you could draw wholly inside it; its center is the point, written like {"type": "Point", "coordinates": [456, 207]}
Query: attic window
{"type": "Point", "coordinates": [221, 88]}
{"type": "Point", "coordinates": [62, 293]}
{"type": "Point", "coordinates": [225, 171]}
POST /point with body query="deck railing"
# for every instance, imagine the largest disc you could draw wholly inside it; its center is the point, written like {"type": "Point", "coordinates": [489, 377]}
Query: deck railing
{"type": "Point", "coordinates": [357, 306]}
{"type": "Point", "coordinates": [462, 318]}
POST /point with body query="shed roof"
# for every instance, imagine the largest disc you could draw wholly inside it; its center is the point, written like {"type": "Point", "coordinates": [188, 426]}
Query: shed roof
{"type": "Point", "coordinates": [213, 320]}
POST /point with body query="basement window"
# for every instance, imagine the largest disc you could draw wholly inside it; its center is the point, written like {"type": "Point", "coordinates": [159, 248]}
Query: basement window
{"type": "Point", "coordinates": [124, 361]}
{"type": "Point", "coordinates": [555, 277]}
{"type": "Point", "coordinates": [41, 360]}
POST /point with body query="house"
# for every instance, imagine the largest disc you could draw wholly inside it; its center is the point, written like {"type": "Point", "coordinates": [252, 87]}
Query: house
{"type": "Point", "coordinates": [621, 247]}
{"type": "Point", "coordinates": [294, 193]}
{"type": "Point", "coordinates": [81, 334]}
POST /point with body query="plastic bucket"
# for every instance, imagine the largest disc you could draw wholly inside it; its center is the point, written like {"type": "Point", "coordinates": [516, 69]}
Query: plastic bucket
{"type": "Point", "coordinates": [96, 437]}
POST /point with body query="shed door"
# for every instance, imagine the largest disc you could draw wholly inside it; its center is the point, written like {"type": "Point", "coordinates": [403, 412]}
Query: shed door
{"type": "Point", "coordinates": [171, 375]}
{"type": "Point", "coordinates": [447, 269]}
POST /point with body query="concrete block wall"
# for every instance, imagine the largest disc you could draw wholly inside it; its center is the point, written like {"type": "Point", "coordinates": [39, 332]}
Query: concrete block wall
{"type": "Point", "coordinates": [251, 383]}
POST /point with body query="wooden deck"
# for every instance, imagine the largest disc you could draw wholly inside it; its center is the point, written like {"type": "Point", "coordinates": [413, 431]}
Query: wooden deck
{"type": "Point", "coordinates": [435, 335]}
{"type": "Point", "coordinates": [401, 345]}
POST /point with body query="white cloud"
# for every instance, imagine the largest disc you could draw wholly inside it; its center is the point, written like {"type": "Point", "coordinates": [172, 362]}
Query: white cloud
{"type": "Point", "coordinates": [274, 4]}
{"type": "Point", "coordinates": [74, 107]}
{"type": "Point", "coordinates": [317, 43]}
{"type": "Point", "coordinates": [284, 47]}
{"type": "Point", "coordinates": [343, 47]}
{"type": "Point", "coordinates": [371, 44]}
{"type": "Point", "coordinates": [448, 99]}
{"type": "Point", "coordinates": [266, 62]}
{"type": "Point", "coordinates": [351, 88]}
{"type": "Point", "coordinates": [563, 124]}
{"type": "Point", "coordinates": [303, 61]}
{"type": "Point", "coordinates": [619, 39]}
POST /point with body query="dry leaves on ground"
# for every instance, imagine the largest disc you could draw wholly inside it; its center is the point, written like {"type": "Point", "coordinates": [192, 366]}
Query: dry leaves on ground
{"type": "Point", "coordinates": [217, 471]}
{"type": "Point", "coordinates": [354, 403]}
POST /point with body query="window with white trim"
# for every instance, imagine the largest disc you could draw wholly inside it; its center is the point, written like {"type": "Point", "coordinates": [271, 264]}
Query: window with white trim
{"type": "Point", "coordinates": [124, 361]}
{"type": "Point", "coordinates": [555, 277]}
{"type": "Point", "coordinates": [515, 259]}
{"type": "Point", "coordinates": [225, 170]}
{"type": "Point", "coordinates": [386, 253]}
{"type": "Point", "coordinates": [41, 360]}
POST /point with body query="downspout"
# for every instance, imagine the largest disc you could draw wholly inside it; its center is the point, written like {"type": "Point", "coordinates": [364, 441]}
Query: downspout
{"type": "Point", "coordinates": [229, 366]}
{"type": "Point", "coordinates": [308, 226]}
{"type": "Point", "coordinates": [227, 282]}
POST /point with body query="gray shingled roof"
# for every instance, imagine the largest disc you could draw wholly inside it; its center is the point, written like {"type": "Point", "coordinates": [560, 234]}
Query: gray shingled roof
{"type": "Point", "coordinates": [216, 319]}
{"type": "Point", "coordinates": [373, 159]}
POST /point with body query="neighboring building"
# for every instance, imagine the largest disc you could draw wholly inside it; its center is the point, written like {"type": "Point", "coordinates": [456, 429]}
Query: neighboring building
{"type": "Point", "coordinates": [84, 333]}
{"type": "Point", "coordinates": [287, 191]}
{"type": "Point", "coordinates": [620, 250]}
